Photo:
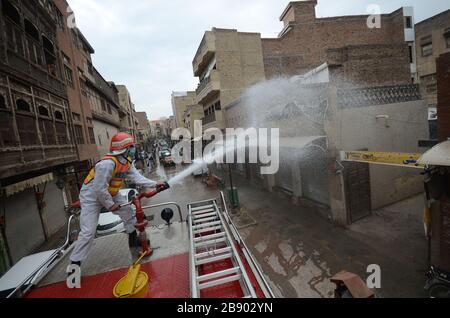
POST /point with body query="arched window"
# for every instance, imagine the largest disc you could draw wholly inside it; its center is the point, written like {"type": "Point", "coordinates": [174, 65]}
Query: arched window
{"type": "Point", "coordinates": [11, 11]}
{"type": "Point", "coordinates": [48, 45]}
{"type": "Point", "coordinates": [31, 30]}
{"type": "Point", "coordinates": [2, 102]}
{"type": "Point", "coordinates": [23, 106]}
{"type": "Point", "coordinates": [59, 115]}
{"type": "Point", "coordinates": [43, 111]}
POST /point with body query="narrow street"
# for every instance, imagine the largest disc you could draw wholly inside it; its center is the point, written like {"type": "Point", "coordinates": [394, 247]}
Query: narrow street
{"type": "Point", "coordinates": [299, 250]}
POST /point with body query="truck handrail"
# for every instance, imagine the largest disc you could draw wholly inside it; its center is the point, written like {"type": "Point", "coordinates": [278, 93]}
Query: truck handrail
{"type": "Point", "coordinates": [54, 256]}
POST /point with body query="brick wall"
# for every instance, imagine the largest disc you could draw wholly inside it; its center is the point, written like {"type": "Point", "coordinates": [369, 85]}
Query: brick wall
{"type": "Point", "coordinates": [443, 83]}
{"type": "Point", "coordinates": [305, 46]}
{"type": "Point", "coordinates": [370, 65]}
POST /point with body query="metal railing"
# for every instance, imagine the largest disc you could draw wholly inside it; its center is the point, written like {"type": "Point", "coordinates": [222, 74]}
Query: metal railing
{"type": "Point", "coordinates": [30, 279]}
{"type": "Point", "coordinates": [267, 290]}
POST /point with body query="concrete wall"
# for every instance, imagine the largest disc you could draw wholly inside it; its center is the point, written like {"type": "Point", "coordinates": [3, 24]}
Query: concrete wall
{"type": "Point", "coordinates": [24, 232]}
{"type": "Point", "coordinates": [359, 129]}
{"type": "Point", "coordinates": [103, 134]}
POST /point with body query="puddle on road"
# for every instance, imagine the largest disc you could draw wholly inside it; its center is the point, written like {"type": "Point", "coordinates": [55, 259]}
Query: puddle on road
{"type": "Point", "coordinates": [292, 270]}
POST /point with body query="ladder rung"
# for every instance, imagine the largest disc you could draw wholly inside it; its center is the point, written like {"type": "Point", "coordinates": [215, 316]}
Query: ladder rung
{"type": "Point", "coordinates": [209, 237]}
{"type": "Point", "coordinates": [213, 259]}
{"type": "Point", "coordinates": [210, 242]}
{"type": "Point", "coordinates": [213, 218]}
{"type": "Point", "coordinates": [200, 226]}
{"type": "Point", "coordinates": [221, 281]}
{"type": "Point", "coordinates": [199, 217]}
{"type": "Point", "coordinates": [213, 252]}
{"type": "Point", "coordinates": [209, 229]}
{"type": "Point", "coordinates": [203, 212]}
{"type": "Point", "coordinates": [218, 274]}
{"type": "Point", "coordinates": [202, 207]}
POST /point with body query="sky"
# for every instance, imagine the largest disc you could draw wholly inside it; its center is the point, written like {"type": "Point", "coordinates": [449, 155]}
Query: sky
{"type": "Point", "coordinates": [149, 45]}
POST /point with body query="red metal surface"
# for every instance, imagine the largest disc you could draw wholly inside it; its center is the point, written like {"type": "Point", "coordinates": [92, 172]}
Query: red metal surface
{"type": "Point", "coordinates": [233, 289]}
{"type": "Point", "coordinates": [169, 278]}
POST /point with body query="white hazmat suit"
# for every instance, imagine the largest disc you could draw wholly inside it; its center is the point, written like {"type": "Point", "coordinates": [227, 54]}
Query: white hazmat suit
{"type": "Point", "coordinates": [95, 196]}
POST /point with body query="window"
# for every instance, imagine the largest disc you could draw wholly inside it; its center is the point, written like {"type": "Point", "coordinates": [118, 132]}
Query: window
{"type": "Point", "coordinates": [76, 117]}
{"type": "Point", "coordinates": [100, 140]}
{"type": "Point", "coordinates": [2, 102]}
{"type": "Point", "coordinates": [218, 106]}
{"type": "Point", "coordinates": [107, 134]}
{"type": "Point", "coordinates": [31, 30]}
{"type": "Point", "coordinates": [79, 138]}
{"type": "Point", "coordinates": [59, 115]}
{"type": "Point", "coordinates": [66, 59]}
{"type": "Point", "coordinates": [26, 126]}
{"type": "Point", "coordinates": [103, 105]}
{"type": "Point", "coordinates": [427, 49]}
{"type": "Point", "coordinates": [408, 22]}
{"type": "Point", "coordinates": [411, 54]}
{"type": "Point", "coordinates": [429, 82]}
{"type": "Point", "coordinates": [7, 136]}
{"type": "Point", "coordinates": [23, 106]}
{"type": "Point", "coordinates": [69, 75]}
{"type": "Point", "coordinates": [89, 120]}
{"type": "Point", "coordinates": [49, 51]}
{"type": "Point", "coordinates": [109, 109]}
{"type": "Point", "coordinates": [447, 39]}
{"type": "Point", "coordinates": [47, 131]}
{"type": "Point", "coordinates": [43, 111]}
{"type": "Point", "coordinates": [61, 133]}
{"type": "Point", "coordinates": [91, 135]}
{"type": "Point", "coordinates": [11, 11]}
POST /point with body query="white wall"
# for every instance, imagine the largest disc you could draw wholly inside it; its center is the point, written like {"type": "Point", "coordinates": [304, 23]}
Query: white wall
{"type": "Point", "coordinates": [407, 125]}
{"type": "Point", "coordinates": [103, 133]}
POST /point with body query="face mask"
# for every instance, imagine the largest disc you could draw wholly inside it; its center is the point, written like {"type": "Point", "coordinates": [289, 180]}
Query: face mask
{"type": "Point", "coordinates": [132, 152]}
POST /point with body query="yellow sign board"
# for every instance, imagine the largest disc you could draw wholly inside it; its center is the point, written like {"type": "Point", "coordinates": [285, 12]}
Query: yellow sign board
{"type": "Point", "coordinates": [407, 160]}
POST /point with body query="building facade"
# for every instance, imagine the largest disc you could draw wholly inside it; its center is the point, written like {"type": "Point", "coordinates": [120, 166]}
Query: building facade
{"type": "Point", "coordinates": [143, 128]}
{"type": "Point", "coordinates": [227, 62]}
{"type": "Point", "coordinates": [303, 43]}
{"type": "Point", "coordinates": [180, 102]}
{"type": "Point", "coordinates": [433, 39]}
{"type": "Point", "coordinates": [37, 144]}
{"type": "Point", "coordinates": [128, 120]}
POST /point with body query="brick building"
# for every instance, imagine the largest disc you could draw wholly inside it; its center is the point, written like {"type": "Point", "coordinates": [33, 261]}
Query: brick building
{"type": "Point", "coordinates": [37, 147]}
{"type": "Point", "coordinates": [433, 39]}
{"type": "Point", "coordinates": [304, 42]}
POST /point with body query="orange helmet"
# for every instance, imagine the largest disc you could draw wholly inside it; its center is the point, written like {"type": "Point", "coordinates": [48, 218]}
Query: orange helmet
{"type": "Point", "coordinates": [120, 143]}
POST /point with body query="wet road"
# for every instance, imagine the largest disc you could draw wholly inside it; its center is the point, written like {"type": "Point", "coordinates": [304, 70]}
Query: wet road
{"type": "Point", "coordinates": [299, 251]}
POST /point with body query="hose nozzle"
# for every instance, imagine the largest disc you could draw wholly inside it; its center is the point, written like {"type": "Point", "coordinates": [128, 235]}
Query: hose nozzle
{"type": "Point", "coordinates": [162, 187]}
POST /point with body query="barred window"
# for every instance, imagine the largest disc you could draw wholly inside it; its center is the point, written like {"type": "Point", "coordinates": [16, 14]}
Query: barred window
{"type": "Point", "coordinates": [79, 138]}
{"type": "Point", "coordinates": [47, 131]}
{"type": "Point", "coordinates": [7, 136]}
{"type": "Point", "coordinates": [91, 135]}
{"type": "Point", "coordinates": [27, 130]}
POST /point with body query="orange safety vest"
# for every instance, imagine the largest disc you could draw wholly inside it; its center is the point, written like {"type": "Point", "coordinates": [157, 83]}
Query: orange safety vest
{"type": "Point", "coordinates": [118, 177]}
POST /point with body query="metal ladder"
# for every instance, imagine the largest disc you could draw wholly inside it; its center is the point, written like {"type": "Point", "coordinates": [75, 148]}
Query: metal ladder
{"type": "Point", "coordinates": [210, 242]}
